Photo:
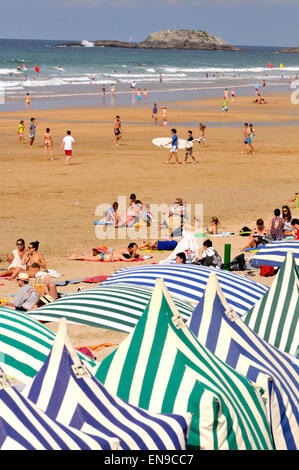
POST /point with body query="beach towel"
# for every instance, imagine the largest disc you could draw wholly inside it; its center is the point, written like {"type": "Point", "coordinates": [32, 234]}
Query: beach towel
{"type": "Point", "coordinates": [95, 279]}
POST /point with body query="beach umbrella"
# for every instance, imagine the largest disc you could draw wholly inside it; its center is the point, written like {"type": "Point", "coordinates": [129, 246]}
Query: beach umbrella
{"type": "Point", "coordinates": [222, 331]}
{"type": "Point", "coordinates": [160, 366]}
{"type": "Point", "coordinates": [275, 316]}
{"type": "Point", "coordinates": [115, 307]}
{"type": "Point", "coordinates": [188, 282]}
{"type": "Point", "coordinates": [67, 392]}
{"type": "Point", "coordinates": [273, 254]}
{"type": "Point", "coordinates": [23, 426]}
{"type": "Point", "coordinates": [24, 344]}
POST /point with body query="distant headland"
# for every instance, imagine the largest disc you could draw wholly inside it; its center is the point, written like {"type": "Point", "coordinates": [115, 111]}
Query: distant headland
{"type": "Point", "coordinates": [294, 50]}
{"type": "Point", "coordinates": [169, 39]}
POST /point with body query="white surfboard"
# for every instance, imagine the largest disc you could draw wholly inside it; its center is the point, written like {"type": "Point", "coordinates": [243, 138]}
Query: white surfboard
{"type": "Point", "coordinates": [162, 141]}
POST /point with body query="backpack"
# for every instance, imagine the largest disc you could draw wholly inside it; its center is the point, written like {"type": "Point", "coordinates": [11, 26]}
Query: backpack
{"type": "Point", "coordinates": [245, 232]}
{"type": "Point", "coordinates": [237, 264]}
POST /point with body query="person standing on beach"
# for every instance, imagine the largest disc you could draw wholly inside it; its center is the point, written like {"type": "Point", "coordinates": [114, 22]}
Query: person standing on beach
{"type": "Point", "coordinates": [226, 94]}
{"type": "Point", "coordinates": [21, 131]}
{"type": "Point", "coordinates": [48, 144]}
{"type": "Point", "coordinates": [117, 131]}
{"type": "Point", "coordinates": [32, 130]}
{"type": "Point", "coordinates": [103, 89]}
{"type": "Point", "coordinates": [155, 113]}
{"type": "Point", "coordinates": [247, 143]}
{"type": "Point", "coordinates": [27, 101]}
{"type": "Point", "coordinates": [233, 94]}
{"type": "Point", "coordinates": [164, 116]}
{"type": "Point", "coordinates": [67, 146]}
{"type": "Point", "coordinates": [145, 93]}
{"type": "Point", "coordinates": [174, 147]}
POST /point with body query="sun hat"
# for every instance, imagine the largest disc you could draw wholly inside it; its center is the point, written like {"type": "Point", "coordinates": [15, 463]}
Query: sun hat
{"type": "Point", "coordinates": [23, 277]}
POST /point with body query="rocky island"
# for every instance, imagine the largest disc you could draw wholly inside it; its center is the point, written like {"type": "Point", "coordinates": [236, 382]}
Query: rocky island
{"type": "Point", "coordinates": [294, 50]}
{"type": "Point", "coordinates": [169, 39]}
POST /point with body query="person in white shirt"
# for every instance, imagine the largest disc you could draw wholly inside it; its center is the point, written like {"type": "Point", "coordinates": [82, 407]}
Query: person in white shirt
{"type": "Point", "coordinates": [67, 145]}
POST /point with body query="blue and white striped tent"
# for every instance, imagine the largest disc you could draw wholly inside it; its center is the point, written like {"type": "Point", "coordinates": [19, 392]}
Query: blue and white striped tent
{"type": "Point", "coordinates": [67, 392]}
{"type": "Point", "coordinates": [24, 427]}
{"type": "Point", "coordinates": [189, 283]}
{"type": "Point", "coordinates": [224, 333]}
{"type": "Point", "coordinates": [273, 254]}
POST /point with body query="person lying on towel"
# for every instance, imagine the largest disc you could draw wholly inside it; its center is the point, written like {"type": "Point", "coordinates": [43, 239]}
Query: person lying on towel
{"type": "Point", "coordinates": [120, 254]}
{"type": "Point", "coordinates": [159, 245]}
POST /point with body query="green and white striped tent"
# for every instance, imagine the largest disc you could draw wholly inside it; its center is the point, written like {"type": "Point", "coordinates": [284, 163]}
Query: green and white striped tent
{"type": "Point", "coordinates": [275, 316]}
{"type": "Point", "coordinates": [162, 367]}
{"type": "Point", "coordinates": [24, 344]}
{"type": "Point", "coordinates": [115, 307]}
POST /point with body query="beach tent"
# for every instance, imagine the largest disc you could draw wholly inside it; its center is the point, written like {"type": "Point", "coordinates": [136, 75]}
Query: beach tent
{"type": "Point", "coordinates": [273, 254]}
{"type": "Point", "coordinates": [24, 344]}
{"type": "Point", "coordinates": [188, 245]}
{"type": "Point", "coordinates": [223, 332]}
{"type": "Point", "coordinates": [275, 316]}
{"type": "Point", "coordinates": [160, 366]}
{"type": "Point", "coordinates": [67, 392]}
{"type": "Point", "coordinates": [115, 307]}
{"type": "Point", "coordinates": [24, 427]}
{"type": "Point", "coordinates": [188, 282]}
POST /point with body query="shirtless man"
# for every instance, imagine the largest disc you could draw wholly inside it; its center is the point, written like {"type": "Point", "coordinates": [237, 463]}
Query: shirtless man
{"type": "Point", "coordinates": [117, 132]}
{"type": "Point", "coordinates": [120, 254]}
{"type": "Point", "coordinates": [247, 139]}
{"type": "Point", "coordinates": [48, 144]}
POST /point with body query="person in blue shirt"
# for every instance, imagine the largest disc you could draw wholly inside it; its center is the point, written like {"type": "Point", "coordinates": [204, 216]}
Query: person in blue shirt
{"type": "Point", "coordinates": [174, 142]}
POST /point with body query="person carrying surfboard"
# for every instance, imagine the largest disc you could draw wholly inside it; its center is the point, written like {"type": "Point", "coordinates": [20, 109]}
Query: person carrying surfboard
{"type": "Point", "coordinates": [174, 147]}
{"type": "Point", "coordinates": [189, 147]}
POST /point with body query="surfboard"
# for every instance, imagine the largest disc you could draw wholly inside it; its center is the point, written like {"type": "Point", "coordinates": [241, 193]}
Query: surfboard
{"type": "Point", "coordinates": [162, 141]}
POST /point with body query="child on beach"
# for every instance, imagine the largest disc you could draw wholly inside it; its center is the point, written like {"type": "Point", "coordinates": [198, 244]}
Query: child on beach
{"type": "Point", "coordinates": [21, 131]}
{"type": "Point", "coordinates": [145, 93]}
{"type": "Point", "coordinates": [117, 132]}
{"type": "Point", "coordinates": [189, 147]}
{"type": "Point", "coordinates": [164, 116]}
{"type": "Point", "coordinates": [155, 113]}
{"type": "Point", "coordinates": [174, 147]}
{"type": "Point", "coordinates": [139, 96]}
{"type": "Point", "coordinates": [67, 144]}
{"type": "Point", "coordinates": [224, 105]}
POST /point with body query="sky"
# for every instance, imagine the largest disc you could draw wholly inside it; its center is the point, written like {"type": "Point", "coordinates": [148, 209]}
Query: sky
{"type": "Point", "coordinates": [239, 22]}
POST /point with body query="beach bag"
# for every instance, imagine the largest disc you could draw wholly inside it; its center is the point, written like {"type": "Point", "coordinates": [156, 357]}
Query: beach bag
{"type": "Point", "coordinates": [86, 351]}
{"type": "Point", "coordinates": [267, 271]}
{"type": "Point", "coordinates": [245, 232]}
{"type": "Point", "coordinates": [237, 264]}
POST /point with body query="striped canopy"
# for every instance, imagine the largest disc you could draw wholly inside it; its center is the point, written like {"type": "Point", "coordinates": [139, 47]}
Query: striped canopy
{"type": "Point", "coordinates": [161, 366]}
{"type": "Point", "coordinates": [188, 282]}
{"type": "Point", "coordinates": [273, 254]}
{"type": "Point", "coordinates": [275, 317]}
{"type": "Point", "coordinates": [223, 332]}
{"type": "Point", "coordinates": [24, 427]}
{"type": "Point", "coordinates": [68, 393]}
{"type": "Point", "coordinates": [115, 307]}
{"type": "Point", "coordinates": [24, 344]}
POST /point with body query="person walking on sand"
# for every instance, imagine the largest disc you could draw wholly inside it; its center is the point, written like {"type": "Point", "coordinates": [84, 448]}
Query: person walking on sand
{"type": "Point", "coordinates": [164, 116]}
{"type": "Point", "coordinates": [27, 102]}
{"type": "Point", "coordinates": [189, 147]}
{"type": "Point", "coordinates": [32, 130]}
{"type": "Point", "coordinates": [247, 143]}
{"type": "Point", "coordinates": [155, 113]}
{"type": "Point", "coordinates": [117, 131]}
{"type": "Point", "coordinates": [202, 135]}
{"type": "Point", "coordinates": [48, 144]}
{"type": "Point", "coordinates": [173, 148]}
{"type": "Point", "coordinates": [21, 131]}
{"type": "Point", "coordinates": [233, 95]}
{"type": "Point", "coordinates": [67, 146]}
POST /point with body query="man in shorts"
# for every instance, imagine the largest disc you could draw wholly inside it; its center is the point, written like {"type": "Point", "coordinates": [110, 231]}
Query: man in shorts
{"type": "Point", "coordinates": [67, 145]}
{"type": "Point", "coordinates": [117, 131]}
{"type": "Point", "coordinates": [27, 297]}
{"type": "Point", "coordinates": [174, 147]}
{"type": "Point", "coordinates": [32, 130]}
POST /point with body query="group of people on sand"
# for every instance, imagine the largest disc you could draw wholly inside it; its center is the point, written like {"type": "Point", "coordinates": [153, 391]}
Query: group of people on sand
{"type": "Point", "coordinates": [137, 212]}
{"type": "Point", "coordinates": [66, 144]}
{"type": "Point", "coordinates": [249, 134]}
{"type": "Point", "coordinates": [25, 264]}
{"type": "Point", "coordinates": [189, 145]}
{"type": "Point", "coordinates": [164, 121]}
{"type": "Point", "coordinates": [281, 226]}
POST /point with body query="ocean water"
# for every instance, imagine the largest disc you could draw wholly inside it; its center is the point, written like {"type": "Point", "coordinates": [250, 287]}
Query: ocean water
{"type": "Point", "coordinates": [77, 73]}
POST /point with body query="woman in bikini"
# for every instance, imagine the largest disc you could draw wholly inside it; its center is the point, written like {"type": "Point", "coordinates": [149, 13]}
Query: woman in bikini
{"type": "Point", "coordinates": [33, 261]}
{"type": "Point", "coordinates": [121, 254]}
{"type": "Point", "coordinates": [257, 235]}
{"type": "Point", "coordinates": [48, 144]}
{"type": "Point", "coordinates": [201, 135]}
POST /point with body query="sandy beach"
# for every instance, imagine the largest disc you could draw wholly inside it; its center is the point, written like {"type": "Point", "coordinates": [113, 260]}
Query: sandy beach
{"type": "Point", "coordinates": [55, 204]}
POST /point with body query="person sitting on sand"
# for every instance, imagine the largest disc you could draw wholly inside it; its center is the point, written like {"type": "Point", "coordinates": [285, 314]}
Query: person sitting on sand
{"type": "Point", "coordinates": [159, 245]}
{"type": "Point", "coordinates": [180, 258]}
{"type": "Point", "coordinates": [33, 260]}
{"type": "Point", "coordinates": [287, 219]}
{"type": "Point", "coordinates": [111, 215]}
{"type": "Point", "coordinates": [257, 235]}
{"type": "Point", "coordinates": [210, 257]}
{"type": "Point", "coordinates": [174, 219]}
{"type": "Point", "coordinates": [276, 226]}
{"type": "Point", "coordinates": [132, 212]}
{"type": "Point", "coordinates": [213, 227]}
{"type": "Point", "coordinates": [295, 228]}
{"type": "Point", "coordinates": [26, 298]}
{"type": "Point", "coordinates": [16, 259]}
{"type": "Point", "coordinates": [294, 199]}
{"type": "Point", "coordinates": [120, 254]}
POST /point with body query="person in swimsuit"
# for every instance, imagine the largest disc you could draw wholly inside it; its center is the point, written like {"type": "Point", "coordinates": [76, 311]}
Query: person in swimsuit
{"type": "Point", "coordinates": [213, 228]}
{"type": "Point", "coordinates": [247, 138]}
{"type": "Point", "coordinates": [145, 93]}
{"type": "Point", "coordinates": [48, 144]}
{"type": "Point", "coordinates": [139, 96]}
{"type": "Point", "coordinates": [174, 147]}
{"type": "Point", "coordinates": [120, 254]}
{"type": "Point", "coordinates": [202, 135]}
{"type": "Point", "coordinates": [21, 131]}
{"type": "Point", "coordinates": [257, 235]}
{"type": "Point", "coordinates": [117, 131]}
{"type": "Point", "coordinates": [27, 101]}
{"type": "Point", "coordinates": [33, 261]}
{"type": "Point", "coordinates": [159, 245]}
{"type": "Point", "coordinates": [233, 94]}
{"type": "Point", "coordinates": [155, 113]}
{"type": "Point", "coordinates": [287, 219]}
{"type": "Point", "coordinates": [164, 116]}
{"type": "Point", "coordinates": [16, 259]}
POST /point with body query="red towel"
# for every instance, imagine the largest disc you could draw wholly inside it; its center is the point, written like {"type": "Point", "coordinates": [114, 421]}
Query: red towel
{"type": "Point", "coordinates": [96, 279]}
